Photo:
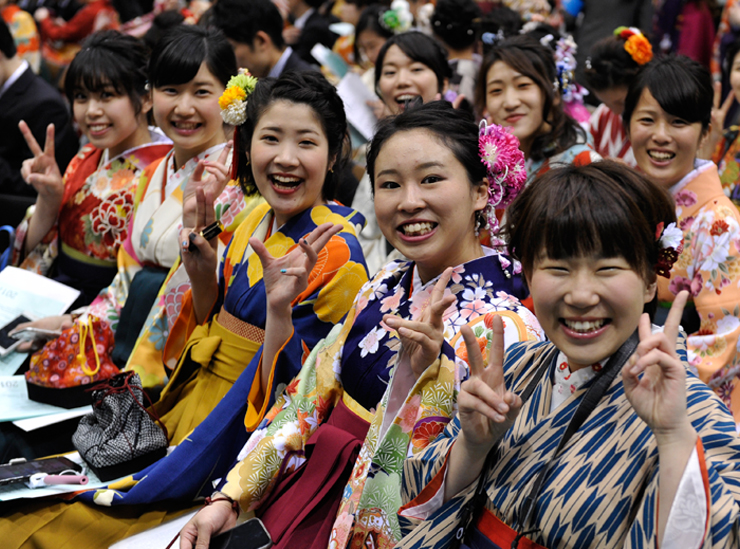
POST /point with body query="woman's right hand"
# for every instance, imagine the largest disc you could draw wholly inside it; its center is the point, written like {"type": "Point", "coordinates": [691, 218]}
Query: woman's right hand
{"type": "Point", "coordinates": [51, 323]}
{"type": "Point", "coordinates": [286, 277]}
{"type": "Point", "coordinates": [208, 522]}
{"type": "Point", "coordinates": [485, 407]}
{"type": "Point", "coordinates": [42, 171]}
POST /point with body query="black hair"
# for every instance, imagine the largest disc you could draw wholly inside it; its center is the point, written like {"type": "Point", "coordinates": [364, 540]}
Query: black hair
{"type": "Point", "coordinates": [602, 209]}
{"type": "Point", "coordinates": [456, 22]}
{"type": "Point", "coordinates": [681, 86]}
{"type": "Point", "coordinates": [240, 20]}
{"type": "Point", "coordinates": [609, 65]}
{"type": "Point", "coordinates": [420, 48]}
{"type": "Point", "coordinates": [499, 22]}
{"type": "Point", "coordinates": [362, 4]}
{"type": "Point", "coordinates": [316, 4]}
{"type": "Point", "coordinates": [455, 128]}
{"type": "Point", "coordinates": [307, 88]}
{"type": "Point", "coordinates": [729, 59]}
{"type": "Point", "coordinates": [179, 54]}
{"type": "Point", "coordinates": [529, 57]}
{"type": "Point", "coordinates": [7, 44]}
{"type": "Point", "coordinates": [370, 21]}
{"type": "Point", "coordinates": [109, 59]}
{"type": "Point", "coordinates": [161, 24]}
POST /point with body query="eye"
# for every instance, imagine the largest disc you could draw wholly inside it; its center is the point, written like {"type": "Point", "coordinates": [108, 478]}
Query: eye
{"type": "Point", "coordinates": [524, 85]}
{"type": "Point", "coordinates": [202, 92]}
{"type": "Point", "coordinates": [432, 179]}
{"type": "Point", "coordinates": [308, 143]}
{"type": "Point", "coordinates": [168, 91]}
{"type": "Point", "coordinates": [389, 73]}
{"type": "Point", "coordinates": [388, 185]}
{"type": "Point", "coordinates": [645, 120]}
{"type": "Point", "coordinates": [678, 122]}
{"type": "Point", "coordinates": [494, 91]}
{"type": "Point", "coordinates": [80, 97]}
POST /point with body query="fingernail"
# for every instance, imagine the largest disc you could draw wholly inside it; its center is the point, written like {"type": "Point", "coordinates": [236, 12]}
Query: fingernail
{"type": "Point", "coordinates": [283, 271]}
{"type": "Point", "coordinates": [305, 242]}
{"type": "Point", "coordinates": [185, 244]}
{"type": "Point", "coordinates": [192, 236]}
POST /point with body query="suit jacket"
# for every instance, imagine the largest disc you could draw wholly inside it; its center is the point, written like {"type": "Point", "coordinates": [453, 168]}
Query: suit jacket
{"type": "Point", "coordinates": [315, 31]}
{"type": "Point", "coordinates": [295, 63]}
{"type": "Point", "coordinates": [32, 99]}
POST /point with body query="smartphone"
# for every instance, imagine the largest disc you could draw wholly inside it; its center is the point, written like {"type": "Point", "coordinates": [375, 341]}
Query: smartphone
{"type": "Point", "coordinates": [32, 334]}
{"type": "Point", "coordinates": [8, 343]}
{"type": "Point", "coordinates": [251, 534]}
{"type": "Point", "coordinates": [21, 472]}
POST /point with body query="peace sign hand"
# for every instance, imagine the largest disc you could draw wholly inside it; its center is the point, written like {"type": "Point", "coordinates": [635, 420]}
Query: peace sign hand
{"type": "Point", "coordinates": [42, 171]}
{"type": "Point", "coordinates": [421, 340]}
{"type": "Point", "coordinates": [485, 407]}
{"type": "Point", "coordinates": [659, 396]}
{"type": "Point", "coordinates": [719, 114]}
{"type": "Point", "coordinates": [287, 276]}
{"type": "Point", "coordinates": [217, 177]}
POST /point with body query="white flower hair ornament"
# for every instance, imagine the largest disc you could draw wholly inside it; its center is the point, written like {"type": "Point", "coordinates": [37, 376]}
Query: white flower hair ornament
{"type": "Point", "coordinates": [670, 242]}
{"type": "Point", "coordinates": [499, 151]}
{"type": "Point", "coordinates": [398, 18]}
{"type": "Point", "coordinates": [233, 103]}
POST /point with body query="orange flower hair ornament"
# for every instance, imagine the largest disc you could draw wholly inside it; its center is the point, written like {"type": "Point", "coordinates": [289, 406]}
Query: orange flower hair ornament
{"type": "Point", "coordinates": [635, 44]}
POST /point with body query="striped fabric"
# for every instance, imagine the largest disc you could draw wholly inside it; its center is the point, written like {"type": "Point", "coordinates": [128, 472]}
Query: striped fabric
{"type": "Point", "coordinates": [603, 489]}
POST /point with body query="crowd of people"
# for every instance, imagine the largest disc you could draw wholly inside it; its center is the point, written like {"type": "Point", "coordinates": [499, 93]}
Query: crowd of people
{"type": "Point", "coordinates": [506, 315]}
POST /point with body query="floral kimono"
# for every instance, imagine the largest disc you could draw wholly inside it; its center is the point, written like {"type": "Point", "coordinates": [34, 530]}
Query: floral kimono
{"type": "Point", "coordinates": [93, 220]}
{"type": "Point", "coordinates": [602, 489]}
{"type": "Point", "coordinates": [208, 359]}
{"type": "Point", "coordinates": [25, 34]}
{"type": "Point", "coordinates": [346, 376]}
{"type": "Point", "coordinates": [727, 158]}
{"type": "Point", "coordinates": [709, 268]}
{"type": "Point", "coordinates": [580, 154]}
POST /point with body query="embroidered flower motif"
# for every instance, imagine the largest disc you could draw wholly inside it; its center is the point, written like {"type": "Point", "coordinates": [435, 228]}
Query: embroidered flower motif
{"type": "Point", "coordinates": [371, 341]}
{"type": "Point", "coordinates": [427, 432]}
{"type": "Point", "coordinates": [110, 219]}
{"type": "Point", "coordinates": [719, 227]}
{"type": "Point", "coordinates": [685, 198]}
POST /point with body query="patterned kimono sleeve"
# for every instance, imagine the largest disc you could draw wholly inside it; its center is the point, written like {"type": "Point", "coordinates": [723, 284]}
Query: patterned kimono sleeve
{"type": "Point", "coordinates": [718, 452]}
{"type": "Point", "coordinates": [40, 259]}
{"type": "Point", "coordinates": [714, 282]}
{"type": "Point", "coordinates": [277, 447]}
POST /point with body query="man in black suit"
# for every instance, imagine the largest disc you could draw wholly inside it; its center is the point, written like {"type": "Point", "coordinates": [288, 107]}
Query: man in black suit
{"type": "Point", "coordinates": [310, 27]}
{"type": "Point", "coordinates": [25, 96]}
{"type": "Point", "coordinates": [255, 30]}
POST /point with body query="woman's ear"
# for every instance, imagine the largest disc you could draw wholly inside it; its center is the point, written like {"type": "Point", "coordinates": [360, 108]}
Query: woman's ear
{"type": "Point", "coordinates": [146, 102]}
{"type": "Point", "coordinates": [650, 291]}
{"type": "Point", "coordinates": [480, 195]}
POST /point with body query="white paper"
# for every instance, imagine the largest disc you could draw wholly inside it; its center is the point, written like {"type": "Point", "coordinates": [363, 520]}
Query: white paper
{"type": "Point", "coordinates": [31, 424]}
{"type": "Point", "coordinates": [15, 404]}
{"type": "Point", "coordinates": [355, 96]}
{"type": "Point", "coordinates": [23, 291]}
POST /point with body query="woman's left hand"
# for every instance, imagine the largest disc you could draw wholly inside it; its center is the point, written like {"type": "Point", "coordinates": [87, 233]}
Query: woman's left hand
{"type": "Point", "coordinates": [659, 397]}
{"type": "Point", "coordinates": [422, 339]}
{"type": "Point", "coordinates": [217, 177]}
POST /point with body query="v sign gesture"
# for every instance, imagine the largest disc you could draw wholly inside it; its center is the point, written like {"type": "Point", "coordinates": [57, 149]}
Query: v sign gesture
{"type": "Point", "coordinates": [485, 407]}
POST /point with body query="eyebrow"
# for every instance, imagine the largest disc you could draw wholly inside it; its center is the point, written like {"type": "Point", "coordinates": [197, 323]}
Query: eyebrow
{"type": "Point", "coordinates": [203, 83]}
{"type": "Point", "coordinates": [279, 129]}
{"type": "Point", "coordinates": [420, 167]}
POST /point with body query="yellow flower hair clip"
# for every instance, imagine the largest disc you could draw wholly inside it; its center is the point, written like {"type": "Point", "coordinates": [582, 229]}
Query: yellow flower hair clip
{"type": "Point", "coordinates": [233, 101]}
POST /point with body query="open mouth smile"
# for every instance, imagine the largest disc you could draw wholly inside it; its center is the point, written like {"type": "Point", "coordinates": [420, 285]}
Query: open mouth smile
{"type": "Point", "coordinates": [661, 156]}
{"type": "Point", "coordinates": [417, 229]}
{"type": "Point", "coordinates": [285, 184]}
{"type": "Point", "coordinates": [584, 329]}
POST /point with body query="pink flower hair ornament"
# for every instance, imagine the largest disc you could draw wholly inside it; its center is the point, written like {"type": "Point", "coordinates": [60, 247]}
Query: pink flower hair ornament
{"type": "Point", "coordinates": [499, 151]}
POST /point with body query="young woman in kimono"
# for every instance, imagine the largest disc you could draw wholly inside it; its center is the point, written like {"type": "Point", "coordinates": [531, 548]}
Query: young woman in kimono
{"type": "Point", "coordinates": [518, 87]}
{"type": "Point", "coordinates": [292, 140]}
{"type": "Point", "coordinates": [654, 463]}
{"type": "Point", "coordinates": [668, 112]}
{"type": "Point", "coordinates": [81, 219]}
{"type": "Point", "coordinates": [325, 463]}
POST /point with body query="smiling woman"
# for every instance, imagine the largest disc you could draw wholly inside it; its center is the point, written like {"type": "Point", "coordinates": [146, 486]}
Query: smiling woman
{"type": "Point", "coordinates": [668, 111]}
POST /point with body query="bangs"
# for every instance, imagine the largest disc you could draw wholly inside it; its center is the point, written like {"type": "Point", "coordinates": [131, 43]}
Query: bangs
{"type": "Point", "coordinates": [677, 99]}
{"type": "Point", "coordinates": [178, 63]}
{"type": "Point", "coordinates": [93, 70]}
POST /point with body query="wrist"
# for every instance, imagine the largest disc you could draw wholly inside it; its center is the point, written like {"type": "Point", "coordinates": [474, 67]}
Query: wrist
{"type": "Point", "coordinates": [475, 454]}
{"type": "Point", "coordinates": [682, 436]}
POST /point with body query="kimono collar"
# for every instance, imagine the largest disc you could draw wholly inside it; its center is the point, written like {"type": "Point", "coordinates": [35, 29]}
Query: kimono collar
{"type": "Point", "coordinates": [565, 382]}
{"type": "Point", "coordinates": [700, 166]}
{"type": "Point", "coordinates": [417, 284]}
{"type": "Point", "coordinates": [177, 178]}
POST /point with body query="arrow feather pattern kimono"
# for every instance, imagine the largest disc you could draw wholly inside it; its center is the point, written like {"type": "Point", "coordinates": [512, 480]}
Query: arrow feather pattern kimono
{"type": "Point", "coordinates": [602, 491]}
{"type": "Point", "coordinates": [161, 491]}
{"type": "Point", "coordinates": [348, 373]}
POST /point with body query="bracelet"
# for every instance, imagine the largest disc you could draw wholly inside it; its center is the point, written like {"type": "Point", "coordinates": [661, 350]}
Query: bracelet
{"type": "Point", "coordinates": [218, 496]}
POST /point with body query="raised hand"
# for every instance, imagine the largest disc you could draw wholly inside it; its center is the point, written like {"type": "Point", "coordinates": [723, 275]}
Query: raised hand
{"type": "Point", "coordinates": [486, 408]}
{"type": "Point", "coordinates": [42, 171]}
{"type": "Point", "coordinates": [287, 276]}
{"type": "Point", "coordinates": [421, 340]}
{"type": "Point", "coordinates": [659, 396]}
{"type": "Point", "coordinates": [216, 178]}
{"type": "Point", "coordinates": [719, 113]}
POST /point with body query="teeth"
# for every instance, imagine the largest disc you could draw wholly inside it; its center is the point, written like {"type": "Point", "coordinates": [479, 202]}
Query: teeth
{"type": "Point", "coordinates": [98, 127]}
{"type": "Point", "coordinates": [657, 155]}
{"type": "Point", "coordinates": [417, 229]}
{"type": "Point", "coordinates": [404, 98]}
{"type": "Point", "coordinates": [584, 327]}
{"type": "Point", "coordinates": [285, 182]}
{"type": "Point", "coordinates": [186, 125]}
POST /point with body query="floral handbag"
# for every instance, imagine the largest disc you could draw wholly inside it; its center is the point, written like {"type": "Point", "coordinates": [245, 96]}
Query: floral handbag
{"type": "Point", "coordinates": [63, 369]}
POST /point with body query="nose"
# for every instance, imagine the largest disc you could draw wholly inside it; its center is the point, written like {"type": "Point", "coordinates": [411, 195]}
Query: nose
{"type": "Point", "coordinates": [661, 133]}
{"type": "Point", "coordinates": [511, 98]}
{"type": "Point", "coordinates": [286, 155]}
{"type": "Point", "coordinates": [185, 105]}
{"type": "Point", "coordinates": [411, 198]}
{"type": "Point", "coordinates": [94, 108]}
{"type": "Point", "coordinates": [403, 78]}
{"type": "Point", "coordinates": [583, 292]}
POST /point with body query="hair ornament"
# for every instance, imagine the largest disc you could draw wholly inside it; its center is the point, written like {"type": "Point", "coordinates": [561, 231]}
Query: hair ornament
{"type": "Point", "coordinates": [491, 39]}
{"type": "Point", "coordinates": [233, 101]}
{"type": "Point", "coordinates": [398, 18]}
{"type": "Point", "coordinates": [670, 241]}
{"type": "Point", "coordinates": [636, 45]}
{"type": "Point", "coordinates": [504, 161]}
{"type": "Point", "coordinates": [588, 63]}
{"type": "Point", "coordinates": [565, 63]}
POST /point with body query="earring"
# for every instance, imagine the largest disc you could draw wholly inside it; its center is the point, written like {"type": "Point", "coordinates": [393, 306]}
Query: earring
{"type": "Point", "coordinates": [331, 170]}
{"type": "Point", "coordinates": [480, 222]}
{"type": "Point", "coordinates": [247, 161]}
